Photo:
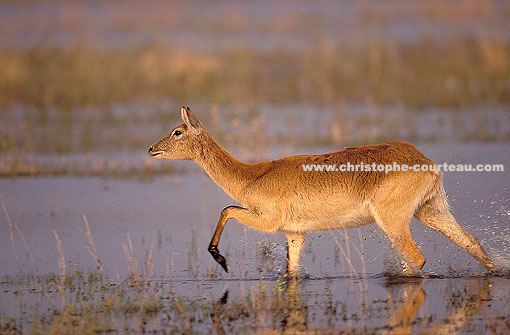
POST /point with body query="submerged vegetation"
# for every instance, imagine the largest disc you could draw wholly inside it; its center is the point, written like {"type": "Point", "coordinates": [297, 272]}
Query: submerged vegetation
{"type": "Point", "coordinates": [154, 299]}
{"type": "Point", "coordinates": [92, 304]}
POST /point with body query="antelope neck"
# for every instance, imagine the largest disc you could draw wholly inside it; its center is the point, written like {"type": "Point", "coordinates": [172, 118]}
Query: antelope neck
{"type": "Point", "coordinates": [227, 172]}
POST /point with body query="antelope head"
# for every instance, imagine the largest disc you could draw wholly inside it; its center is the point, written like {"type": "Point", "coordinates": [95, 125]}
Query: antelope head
{"type": "Point", "coordinates": [183, 142]}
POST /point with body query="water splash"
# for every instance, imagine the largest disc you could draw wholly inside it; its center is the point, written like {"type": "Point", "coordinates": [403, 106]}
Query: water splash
{"type": "Point", "coordinates": [272, 257]}
{"type": "Point", "coordinates": [501, 262]}
{"type": "Point", "coordinates": [397, 266]}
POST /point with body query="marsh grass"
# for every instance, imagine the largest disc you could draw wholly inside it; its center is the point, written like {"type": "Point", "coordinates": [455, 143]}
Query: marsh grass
{"type": "Point", "coordinates": [83, 99]}
{"type": "Point", "coordinates": [427, 73]}
{"type": "Point", "coordinates": [95, 305]}
{"type": "Point", "coordinates": [91, 246]}
{"type": "Point", "coordinates": [146, 301]}
{"type": "Point", "coordinates": [73, 88]}
{"type": "Point", "coordinates": [87, 166]}
{"type": "Point", "coordinates": [251, 138]}
{"type": "Point", "coordinates": [20, 234]}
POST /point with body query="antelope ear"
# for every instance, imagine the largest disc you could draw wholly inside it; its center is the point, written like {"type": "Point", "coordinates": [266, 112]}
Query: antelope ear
{"type": "Point", "coordinates": [191, 121]}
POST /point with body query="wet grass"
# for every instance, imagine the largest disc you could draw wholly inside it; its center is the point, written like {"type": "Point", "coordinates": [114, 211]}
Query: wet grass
{"type": "Point", "coordinates": [148, 300]}
{"type": "Point", "coordinates": [90, 303]}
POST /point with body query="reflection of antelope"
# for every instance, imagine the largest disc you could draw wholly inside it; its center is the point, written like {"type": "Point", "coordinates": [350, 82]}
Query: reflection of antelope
{"type": "Point", "coordinates": [472, 303]}
{"type": "Point", "coordinates": [281, 196]}
{"type": "Point", "coordinates": [410, 296]}
{"type": "Point", "coordinates": [403, 309]}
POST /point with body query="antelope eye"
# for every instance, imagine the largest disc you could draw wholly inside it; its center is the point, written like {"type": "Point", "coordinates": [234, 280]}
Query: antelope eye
{"type": "Point", "coordinates": [177, 133]}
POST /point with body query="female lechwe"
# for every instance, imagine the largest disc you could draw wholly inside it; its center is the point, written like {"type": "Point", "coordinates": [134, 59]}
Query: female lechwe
{"type": "Point", "coordinates": [281, 196]}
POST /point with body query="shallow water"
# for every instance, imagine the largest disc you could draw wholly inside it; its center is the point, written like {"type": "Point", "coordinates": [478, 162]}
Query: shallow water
{"type": "Point", "coordinates": [175, 216]}
{"type": "Point", "coordinates": [160, 229]}
{"type": "Point", "coordinates": [469, 305]}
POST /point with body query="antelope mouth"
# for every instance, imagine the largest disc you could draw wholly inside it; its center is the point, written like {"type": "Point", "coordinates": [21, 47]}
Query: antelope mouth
{"type": "Point", "coordinates": [156, 153]}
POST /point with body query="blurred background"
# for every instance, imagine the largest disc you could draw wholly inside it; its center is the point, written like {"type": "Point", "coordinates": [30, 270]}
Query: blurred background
{"type": "Point", "coordinates": [87, 86]}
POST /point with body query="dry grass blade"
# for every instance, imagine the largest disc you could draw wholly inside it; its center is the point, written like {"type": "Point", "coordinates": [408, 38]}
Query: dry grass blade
{"type": "Point", "coordinates": [11, 232]}
{"type": "Point", "coordinates": [347, 244]}
{"type": "Point", "coordinates": [91, 247]}
{"type": "Point", "coordinates": [362, 253]}
{"type": "Point", "coordinates": [132, 268]}
{"type": "Point", "coordinates": [61, 266]}
{"type": "Point", "coordinates": [117, 274]}
{"type": "Point", "coordinates": [150, 263]}
{"type": "Point", "coordinates": [358, 250]}
{"type": "Point", "coordinates": [27, 248]}
{"type": "Point", "coordinates": [61, 257]}
{"type": "Point", "coordinates": [18, 230]}
{"type": "Point", "coordinates": [346, 256]}
{"type": "Point", "coordinates": [130, 242]}
{"type": "Point", "coordinates": [167, 269]}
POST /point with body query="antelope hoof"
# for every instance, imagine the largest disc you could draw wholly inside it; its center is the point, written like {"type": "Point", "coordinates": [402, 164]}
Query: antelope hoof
{"type": "Point", "coordinates": [218, 257]}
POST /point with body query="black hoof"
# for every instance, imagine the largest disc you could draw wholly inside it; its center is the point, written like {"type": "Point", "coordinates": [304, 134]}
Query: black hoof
{"type": "Point", "coordinates": [218, 257]}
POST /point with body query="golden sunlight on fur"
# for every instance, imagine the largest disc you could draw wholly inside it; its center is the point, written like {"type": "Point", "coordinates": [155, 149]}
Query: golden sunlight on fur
{"type": "Point", "coordinates": [281, 196]}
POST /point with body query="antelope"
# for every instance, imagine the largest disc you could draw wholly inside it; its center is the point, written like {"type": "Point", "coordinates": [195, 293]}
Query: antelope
{"type": "Point", "coordinates": [279, 196]}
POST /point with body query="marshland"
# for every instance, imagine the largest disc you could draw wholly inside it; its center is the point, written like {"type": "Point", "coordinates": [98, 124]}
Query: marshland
{"type": "Point", "coordinates": [97, 237]}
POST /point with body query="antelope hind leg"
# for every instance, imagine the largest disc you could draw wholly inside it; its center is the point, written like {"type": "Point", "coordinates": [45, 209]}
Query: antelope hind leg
{"type": "Point", "coordinates": [440, 219]}
{"type": "Point", "coordinates": [396, 227]}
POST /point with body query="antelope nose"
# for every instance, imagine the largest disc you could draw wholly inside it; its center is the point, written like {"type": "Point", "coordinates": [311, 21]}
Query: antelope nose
{"type": "Point", "coordinates": [150, 149]}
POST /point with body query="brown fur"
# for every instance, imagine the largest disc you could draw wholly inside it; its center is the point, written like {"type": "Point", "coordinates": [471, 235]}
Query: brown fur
{"type": "Point", "coordinates": [281, 196]}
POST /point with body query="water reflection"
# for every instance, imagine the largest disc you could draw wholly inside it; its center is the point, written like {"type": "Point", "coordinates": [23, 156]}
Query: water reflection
{"type": "Point", "coordinates": [216, 314]}
{"type": "Point", "coordinates": [406, 309]}
{"type": "Point", "coordinates": [464, 304]}
{"type": "Point", "coordinates": [296, 318]}
{"type": "Point", "coordinates": [404, 300]}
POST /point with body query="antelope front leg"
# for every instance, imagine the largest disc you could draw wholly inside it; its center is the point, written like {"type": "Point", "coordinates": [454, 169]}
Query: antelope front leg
{"type": "Point", "coordinates": [243, 215]}
{"type": "Point", "coordinates": [295, 242]}
{"type": "Point", "coordinates": [213, 246]}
